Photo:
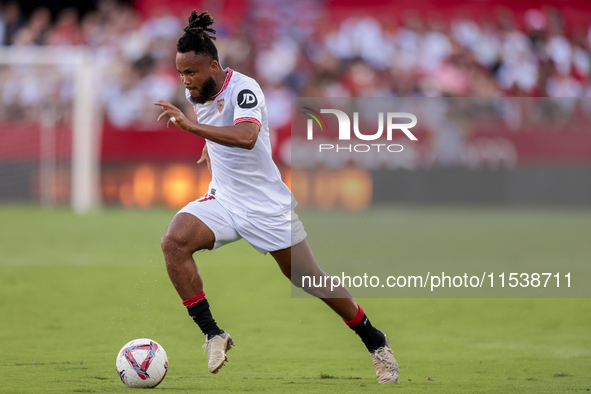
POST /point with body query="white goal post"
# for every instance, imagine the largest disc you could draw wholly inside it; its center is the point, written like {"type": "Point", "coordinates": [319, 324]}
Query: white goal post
{"type": "Point", "coordinates": [86, 135]}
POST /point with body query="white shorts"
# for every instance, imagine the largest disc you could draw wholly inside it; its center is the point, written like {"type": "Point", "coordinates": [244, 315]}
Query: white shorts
{"type": "Point", "coordinates": [264, 233]}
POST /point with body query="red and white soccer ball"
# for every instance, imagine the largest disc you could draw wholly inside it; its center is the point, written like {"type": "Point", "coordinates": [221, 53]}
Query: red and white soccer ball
{"type": "Point", "coordinates": [142, 363]}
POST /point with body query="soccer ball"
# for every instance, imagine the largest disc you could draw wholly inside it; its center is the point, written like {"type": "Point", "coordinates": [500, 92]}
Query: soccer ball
{"type": "Point", "coordinates": [142, 363]}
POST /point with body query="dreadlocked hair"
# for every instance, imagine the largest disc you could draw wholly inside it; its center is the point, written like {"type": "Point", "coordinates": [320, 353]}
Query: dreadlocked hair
{"type": "Point", "coordinates": [196, 38]}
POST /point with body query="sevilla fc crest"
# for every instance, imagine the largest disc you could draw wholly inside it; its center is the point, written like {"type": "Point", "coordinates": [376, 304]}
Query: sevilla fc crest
{"type": "Point", "coordinates": [220, 105]}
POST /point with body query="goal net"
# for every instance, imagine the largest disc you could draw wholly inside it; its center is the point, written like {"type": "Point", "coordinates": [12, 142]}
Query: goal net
{"type": "Point", "coordinates": [49, 129]}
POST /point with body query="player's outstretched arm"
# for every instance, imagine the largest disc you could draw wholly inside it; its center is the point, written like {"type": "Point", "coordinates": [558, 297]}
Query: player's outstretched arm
{"type": "Point", "coordinates": [242, 135]}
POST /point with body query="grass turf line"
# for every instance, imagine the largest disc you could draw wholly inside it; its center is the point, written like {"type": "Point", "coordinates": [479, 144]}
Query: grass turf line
{"type": "Point", "coordinates": [73, 290]}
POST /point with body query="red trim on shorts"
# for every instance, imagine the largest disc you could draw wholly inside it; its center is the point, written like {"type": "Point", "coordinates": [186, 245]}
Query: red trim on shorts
{"type": "Point", "coordinates": [357, 319]}
{"type": "Point", "coordinates": [247, 119]}
{"type": "Point", "coordinates": [226, 82]}
{"type": "Point", "coordinates": [195, 300]}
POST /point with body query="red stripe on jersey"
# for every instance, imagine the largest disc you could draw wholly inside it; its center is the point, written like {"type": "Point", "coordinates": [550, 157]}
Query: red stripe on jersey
{"type": "Point", "coordinates": [229, 72]}
{"type": "Point", "coordinates": [247, 119]}
{"type": "Point", "coordinates": [357, 319]}
{"type": "Point", "coordinates": [195, 300]}
{"type": "Point", "coordinates": [207, 197]}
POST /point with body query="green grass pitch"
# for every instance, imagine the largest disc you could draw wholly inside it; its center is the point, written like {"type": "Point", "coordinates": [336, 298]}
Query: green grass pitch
{"type": "Point", "coordinates": [73, 290]}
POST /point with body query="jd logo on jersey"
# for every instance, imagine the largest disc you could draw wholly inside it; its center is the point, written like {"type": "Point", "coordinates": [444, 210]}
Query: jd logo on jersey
{"type": "Point", "coordinates": [247, 99]}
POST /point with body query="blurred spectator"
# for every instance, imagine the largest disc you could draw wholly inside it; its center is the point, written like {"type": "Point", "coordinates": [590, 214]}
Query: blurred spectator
{"type": "Point", "coordinates": [123, 97]}
{"type": "Point", "coordinates": [12, 21]}
{"type": "Point", "coordinates": [40, 25]}
{"type": "Point", "coordinates": [298, 50]}
{"type": "Point", "coordinates": [2, 24]}
{"type": "Point", "coordinates": [559, 50]}
{"type": "Point", "coordinates": [67, 30]}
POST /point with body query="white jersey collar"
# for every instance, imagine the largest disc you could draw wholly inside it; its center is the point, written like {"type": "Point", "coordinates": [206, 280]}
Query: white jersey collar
{"type": "Point", "coordinates": [229, 73]}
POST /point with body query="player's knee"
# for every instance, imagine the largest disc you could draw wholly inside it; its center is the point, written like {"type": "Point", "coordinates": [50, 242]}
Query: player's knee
{"type": "Point", "coordinates": [172, 243]}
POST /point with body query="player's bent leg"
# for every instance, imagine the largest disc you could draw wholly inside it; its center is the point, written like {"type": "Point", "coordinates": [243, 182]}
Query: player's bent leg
{"type": "Point", "coordinates": [297, 262]}
{"type": "Point", "coordinates": [185, 235]}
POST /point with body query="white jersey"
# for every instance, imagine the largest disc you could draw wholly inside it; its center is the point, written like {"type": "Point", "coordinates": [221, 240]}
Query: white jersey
{"type": "Point", "coordinates": [243, 181]}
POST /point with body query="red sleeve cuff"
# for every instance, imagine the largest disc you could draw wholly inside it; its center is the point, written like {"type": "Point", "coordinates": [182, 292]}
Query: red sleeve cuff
{"type": "Point", "coordinates": [247, 119]}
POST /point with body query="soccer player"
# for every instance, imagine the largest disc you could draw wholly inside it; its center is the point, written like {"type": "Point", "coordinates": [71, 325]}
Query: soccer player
{"type": "Point", "coordinates": [246, 197]}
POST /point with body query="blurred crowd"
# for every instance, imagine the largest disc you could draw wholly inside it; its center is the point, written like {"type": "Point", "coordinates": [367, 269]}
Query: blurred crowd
{"type": "Point", "coordinates": [296, 49]}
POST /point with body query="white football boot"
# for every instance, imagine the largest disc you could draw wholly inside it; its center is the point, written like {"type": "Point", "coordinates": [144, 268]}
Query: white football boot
{"type": "Point", "coordinates": [216, 347]}
{"type": "Point", "coordinates": [385, 364]}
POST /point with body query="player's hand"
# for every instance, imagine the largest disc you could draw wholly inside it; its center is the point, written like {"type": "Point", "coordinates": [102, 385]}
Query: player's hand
{"type": "Point", "coordinates": [173, 112]}
{"type": "Point", "coordinates": [205, 156]}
